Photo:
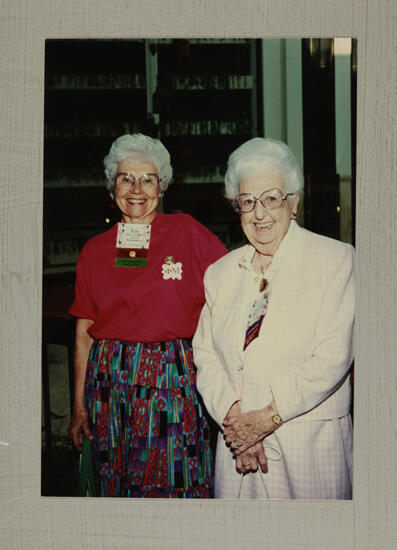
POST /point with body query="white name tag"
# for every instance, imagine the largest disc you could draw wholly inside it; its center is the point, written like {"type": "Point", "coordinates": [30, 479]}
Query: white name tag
{"type": "Point", "coordinates": [133, 235]}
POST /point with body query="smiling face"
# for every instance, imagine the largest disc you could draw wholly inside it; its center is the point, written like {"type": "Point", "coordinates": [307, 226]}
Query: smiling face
{"type": "Point", "coordinates": [265, 228]}
{"type": "Point", "coordinates": [137, 204]}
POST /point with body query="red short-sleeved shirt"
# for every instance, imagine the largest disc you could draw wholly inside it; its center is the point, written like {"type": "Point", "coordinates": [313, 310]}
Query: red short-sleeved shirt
{"type": "Point", "coordinates": [137, 303]}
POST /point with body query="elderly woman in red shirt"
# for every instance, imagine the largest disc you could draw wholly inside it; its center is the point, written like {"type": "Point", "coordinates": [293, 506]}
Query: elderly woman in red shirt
{"type": "Point", "coordinates": [138, 297]}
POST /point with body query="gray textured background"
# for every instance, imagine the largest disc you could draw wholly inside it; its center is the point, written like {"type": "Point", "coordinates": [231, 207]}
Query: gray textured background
{"type": "Point", "coordinates": [30, 521]}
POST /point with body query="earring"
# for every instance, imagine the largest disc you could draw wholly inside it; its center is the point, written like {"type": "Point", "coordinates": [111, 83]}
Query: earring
{"type": "Point", "coordinates": [161, 195]}
{"type": "Point", "coordinates": [111, 196]}
{"type": "Point", "coordinates": [293, 215]}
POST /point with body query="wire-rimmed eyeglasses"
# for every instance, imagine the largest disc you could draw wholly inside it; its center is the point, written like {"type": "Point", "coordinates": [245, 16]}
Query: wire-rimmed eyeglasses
{"type": "Point", "coordinates": [270, 199]}
{"type": "Point", "coordinates": [124, 180]}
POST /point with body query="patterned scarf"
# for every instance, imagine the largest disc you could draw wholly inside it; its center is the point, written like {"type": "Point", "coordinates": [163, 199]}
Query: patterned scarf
{"type": "Point", "coordinates": [256, 315]}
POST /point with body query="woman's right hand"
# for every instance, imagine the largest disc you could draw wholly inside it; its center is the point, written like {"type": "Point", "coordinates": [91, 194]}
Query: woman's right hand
{"type": "Point", "coordinates": [79, 426]}
{"type": "Point", "coordinates": [79, 422]}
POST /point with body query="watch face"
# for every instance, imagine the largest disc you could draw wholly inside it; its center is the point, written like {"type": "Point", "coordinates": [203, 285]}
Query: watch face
{"type": "Point", "coordinates": [276, 419]}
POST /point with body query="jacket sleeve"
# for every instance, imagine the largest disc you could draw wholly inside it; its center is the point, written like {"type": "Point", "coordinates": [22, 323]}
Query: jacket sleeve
{"type": "Point", "coordinates": [298, 391]}
{"type": "Point", "coordinates": [213, 382]}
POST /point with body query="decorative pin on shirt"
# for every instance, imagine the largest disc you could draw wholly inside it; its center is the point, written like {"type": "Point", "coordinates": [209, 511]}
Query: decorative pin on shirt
{"type": "Point", "coordinates": [170, 269]}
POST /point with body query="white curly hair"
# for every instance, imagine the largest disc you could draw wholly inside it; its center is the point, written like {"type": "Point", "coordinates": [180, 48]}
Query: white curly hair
{"type": "Point", "coordinates": [142, 147]}
{"type": "Point", "coordinates": [263, 154]}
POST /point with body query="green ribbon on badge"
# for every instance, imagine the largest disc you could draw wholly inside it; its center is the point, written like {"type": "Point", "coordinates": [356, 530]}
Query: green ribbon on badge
{"type": "Point", "coordinates": [130, 262]}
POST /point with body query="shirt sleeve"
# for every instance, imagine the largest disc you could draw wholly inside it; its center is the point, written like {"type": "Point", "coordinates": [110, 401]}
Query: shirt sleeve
{"type": "Point", "coordinates": [213, 382]}
{"type": "Point", "coordinates": [209, 246]}
{"type": "Point", "coordinates": [297, 392]}
{"type": "Point", "coordinates": [83, 306]}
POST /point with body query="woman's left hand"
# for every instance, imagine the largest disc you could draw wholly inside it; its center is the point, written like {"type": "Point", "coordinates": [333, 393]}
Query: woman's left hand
{"type": "Point", "coordinates": [252, 459]}
{"type": "Point", "coordinates": [247, 429]}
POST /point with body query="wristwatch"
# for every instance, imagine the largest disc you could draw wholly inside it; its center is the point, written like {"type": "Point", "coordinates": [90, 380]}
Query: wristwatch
{"type": "Point", "coordinates": [276, 418]}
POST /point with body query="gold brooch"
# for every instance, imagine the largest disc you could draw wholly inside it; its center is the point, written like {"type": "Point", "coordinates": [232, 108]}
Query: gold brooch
{"type": "Point", "coordinates": [262, 285]}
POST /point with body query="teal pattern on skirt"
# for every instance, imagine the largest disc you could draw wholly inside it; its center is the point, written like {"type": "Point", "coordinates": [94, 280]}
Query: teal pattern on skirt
{"type": "Point", "coordinates": [151, 438]}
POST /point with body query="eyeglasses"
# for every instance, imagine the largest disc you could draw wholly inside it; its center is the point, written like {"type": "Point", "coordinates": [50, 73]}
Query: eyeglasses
{"type": "Point", "coordinates": [125, 181]}
{"type": "Point", "coordinates": [271, 199]}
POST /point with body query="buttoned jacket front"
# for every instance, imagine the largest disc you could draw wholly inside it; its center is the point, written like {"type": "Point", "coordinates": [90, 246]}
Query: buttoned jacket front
{"type": "Point", "coordinates": [304, 351]}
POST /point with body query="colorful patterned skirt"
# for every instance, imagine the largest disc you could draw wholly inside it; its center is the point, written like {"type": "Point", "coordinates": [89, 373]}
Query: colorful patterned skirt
{"type": "Point", "coordinates": [151, 438]}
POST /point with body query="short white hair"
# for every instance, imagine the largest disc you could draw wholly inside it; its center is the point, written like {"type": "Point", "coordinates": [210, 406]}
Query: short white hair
{"type": "Point", "coordinates": [263, 154]}
{"type": "Point", "coordinates": [142, 147]}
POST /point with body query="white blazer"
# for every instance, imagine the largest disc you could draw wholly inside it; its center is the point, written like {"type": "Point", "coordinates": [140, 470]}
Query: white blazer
{"type": "Point", "coordinates": [303, 353]}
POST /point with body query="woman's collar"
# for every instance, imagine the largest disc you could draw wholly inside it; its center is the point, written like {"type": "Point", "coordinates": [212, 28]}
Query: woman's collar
{"type": "Point", "coordinates": [285, 248]}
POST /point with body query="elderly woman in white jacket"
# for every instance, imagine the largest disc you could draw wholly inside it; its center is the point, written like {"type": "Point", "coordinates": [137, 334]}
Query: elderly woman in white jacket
{"type": "Point", "coordinates": [273, 346]}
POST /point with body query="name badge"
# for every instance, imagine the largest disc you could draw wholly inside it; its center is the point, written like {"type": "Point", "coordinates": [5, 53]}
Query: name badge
{"type": "Point", "coordinates": [132, 244]}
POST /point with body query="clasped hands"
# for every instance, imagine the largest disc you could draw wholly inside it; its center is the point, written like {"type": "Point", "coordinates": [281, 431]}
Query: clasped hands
{"type": "Point", "coordinates": [244, 433]}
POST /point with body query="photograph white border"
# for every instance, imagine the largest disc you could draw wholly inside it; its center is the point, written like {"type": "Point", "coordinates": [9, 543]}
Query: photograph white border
{"type": "Point", "coordinates": [31, 521]}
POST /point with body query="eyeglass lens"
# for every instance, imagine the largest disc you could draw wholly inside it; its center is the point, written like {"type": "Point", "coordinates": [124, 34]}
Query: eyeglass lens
{"type": "Point", "coordinates": [269, 199]}
{"type": "Point", "coordinates": [125, 180]}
